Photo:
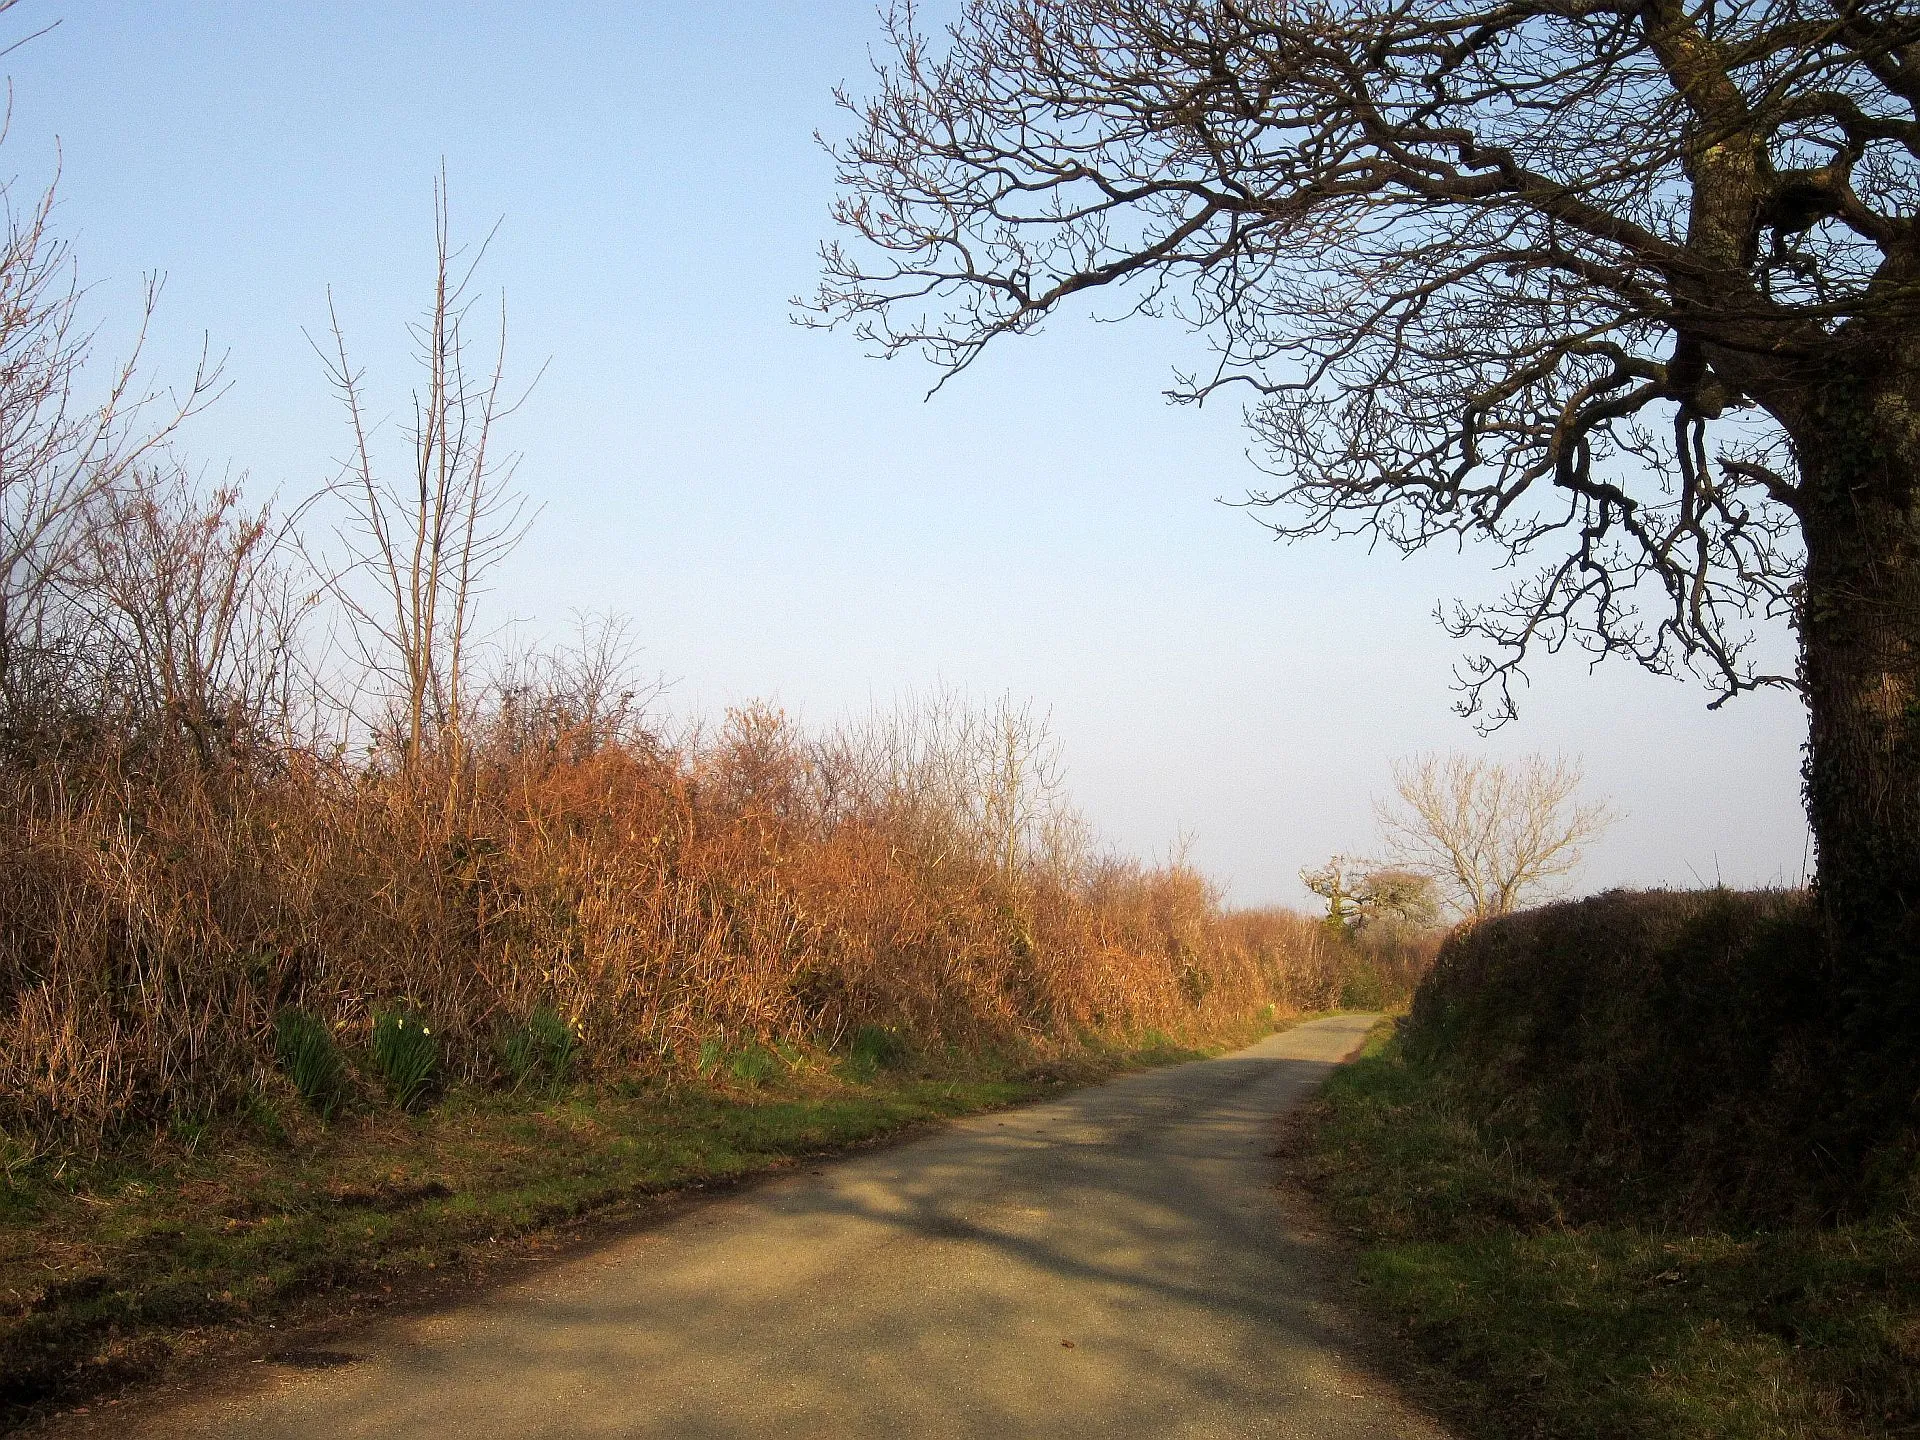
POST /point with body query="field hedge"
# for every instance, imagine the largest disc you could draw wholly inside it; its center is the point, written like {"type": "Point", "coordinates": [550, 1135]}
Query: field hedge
{"type": "Point", "coordinates": [1692, 1055]}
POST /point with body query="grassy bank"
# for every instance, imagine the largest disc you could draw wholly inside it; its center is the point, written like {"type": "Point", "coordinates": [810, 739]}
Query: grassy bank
{"type": "Point", "coordinates": [1527, 1311]}
{"type": "Point", "coordinates": [115, 1269]}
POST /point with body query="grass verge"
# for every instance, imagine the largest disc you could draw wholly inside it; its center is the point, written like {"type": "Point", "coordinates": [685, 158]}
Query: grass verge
{"type": "Point", "coordinates": [1523, 1320]}
{"type": "Point", "coordinates": [115, 1269]}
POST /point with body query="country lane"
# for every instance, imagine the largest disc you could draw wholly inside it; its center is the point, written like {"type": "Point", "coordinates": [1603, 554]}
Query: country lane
{"type": "Point", "coordinates": [1114, 1262]}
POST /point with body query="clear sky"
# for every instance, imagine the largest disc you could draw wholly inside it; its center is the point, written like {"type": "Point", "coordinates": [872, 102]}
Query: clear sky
{"type": "Point", "coordinates": [783, 517]}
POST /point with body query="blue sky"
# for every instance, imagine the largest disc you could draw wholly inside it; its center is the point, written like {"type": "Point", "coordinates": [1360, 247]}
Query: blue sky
{"type": "Point", "coordinates": [782, 517]}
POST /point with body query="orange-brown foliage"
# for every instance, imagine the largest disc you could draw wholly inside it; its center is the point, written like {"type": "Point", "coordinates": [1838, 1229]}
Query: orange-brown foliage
{"type": "Point", "coordinates": [156, 913]}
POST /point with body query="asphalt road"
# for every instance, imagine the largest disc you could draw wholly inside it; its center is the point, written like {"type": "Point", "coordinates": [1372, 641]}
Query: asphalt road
{"type": "Point", "coordinates": [1111, 1263]}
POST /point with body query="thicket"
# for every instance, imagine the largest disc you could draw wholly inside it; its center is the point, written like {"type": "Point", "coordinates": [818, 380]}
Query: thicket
{"type": "Point", "coordinates": [244, 853]}
{"type": "Point", "coordinates": [1693, 1056]}
{"type": "Point", "coordinates": [164, 922]}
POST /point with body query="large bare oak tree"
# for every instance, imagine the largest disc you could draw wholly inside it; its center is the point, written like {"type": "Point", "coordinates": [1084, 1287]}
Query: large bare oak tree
{"type": "Point", "coordinates": [1629, 288]}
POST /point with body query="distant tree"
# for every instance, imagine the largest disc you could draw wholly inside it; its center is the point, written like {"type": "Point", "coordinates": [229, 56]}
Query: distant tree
{"type": "Point", "coordinates": [1363, 895]}
{"type": "Point", "coordinates": [1628, 288]}
{"type": "Point", "coordinates": [1391, 898]}
{"type": "Point", "coordinates": [1336, 882]}
{"type": "Point", "coordinates": [1491, 835]}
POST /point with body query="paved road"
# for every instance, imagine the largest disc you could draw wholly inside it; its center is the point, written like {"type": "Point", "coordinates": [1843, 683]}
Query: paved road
{"type": "Point", "coordinates": [1111, 1263]}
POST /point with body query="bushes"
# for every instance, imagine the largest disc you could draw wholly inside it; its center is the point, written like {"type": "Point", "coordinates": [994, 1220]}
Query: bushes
{"type": "Point", "coordinates": [1679, 1053]}
{"type": "Point", "coordinates": [1363, 989]}
{"type": "Point", "coordinates": [158, 916]}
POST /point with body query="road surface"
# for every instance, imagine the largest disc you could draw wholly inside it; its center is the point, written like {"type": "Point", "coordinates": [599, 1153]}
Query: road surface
{"type": "Point", "coordinates": [1111, 1263]}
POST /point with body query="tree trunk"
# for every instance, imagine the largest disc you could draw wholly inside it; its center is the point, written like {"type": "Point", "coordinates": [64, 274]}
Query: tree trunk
{"type": "Point", "coordinates": [1858, 446]}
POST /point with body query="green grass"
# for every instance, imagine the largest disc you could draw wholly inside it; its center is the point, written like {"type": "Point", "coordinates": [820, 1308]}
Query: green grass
{"type": "Point", "coordinates": [112, 1268]}
{"type": "Point", "coordinates": [874, 1048]}
{"type": "Point", "coordinates": [540, 1050]}
{"type": "Point", "coordinates": [312, 1061]}
{"type": "Point", "coordinates": [407, 1056]}
{"type": "Point", "coordinates": [1523, 1323]}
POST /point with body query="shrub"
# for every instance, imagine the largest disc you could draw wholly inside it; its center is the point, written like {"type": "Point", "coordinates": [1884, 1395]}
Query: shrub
{"type": "Point", "coordinates": [1363, 988]}
{"type": "Point", "coordinates": [757, 882]}
{"type": "Point", "coordinates": [541, 1049]}
{"type": "Point", "coordinates": [312, 1061]}
{"type": "Point", "coordinates": [406, 1055]}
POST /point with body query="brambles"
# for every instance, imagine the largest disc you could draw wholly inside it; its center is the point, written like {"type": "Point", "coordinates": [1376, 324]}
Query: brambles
{"type": "Point", "coordinates": [312, 1062]}
{"type": "Point", "coordinates": [406, 1055]}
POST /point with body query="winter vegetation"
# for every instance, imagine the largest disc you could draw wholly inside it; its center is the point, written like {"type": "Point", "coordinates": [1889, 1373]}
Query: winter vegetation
{"type": "Point", "coordinates": [281, 823]}
{"type": "Point", "coordinates": [1623, 292]}
{"type": "Point", "coordinates": [300, 861]}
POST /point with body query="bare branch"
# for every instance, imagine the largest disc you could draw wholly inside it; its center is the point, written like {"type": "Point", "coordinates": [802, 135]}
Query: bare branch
{"type": "Point", "coordinates": [418, 554]}
{"type": "Point", "coordinates": [1542, 273]}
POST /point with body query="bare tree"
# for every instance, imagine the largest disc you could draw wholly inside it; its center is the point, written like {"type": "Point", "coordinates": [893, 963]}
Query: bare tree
{"type": "Point", "coordinates": [1628, 289]}
{"type": "Point", "coordinates": [984, 781]}
{"type": "Point", "coordinates": [1018, 784]}
{"type": "Point", "coordinates": [1491, 835]}
{"type": "Point", "coordinates": [65, 447]}
{"type": "Point", "coordinates": [196, 607]}
{"type": "Point", "coordinates": [419, 550]}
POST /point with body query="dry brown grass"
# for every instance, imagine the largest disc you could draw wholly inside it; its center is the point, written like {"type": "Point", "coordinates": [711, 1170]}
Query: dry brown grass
{"type": "Point", "coordinates": [758, 886]}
